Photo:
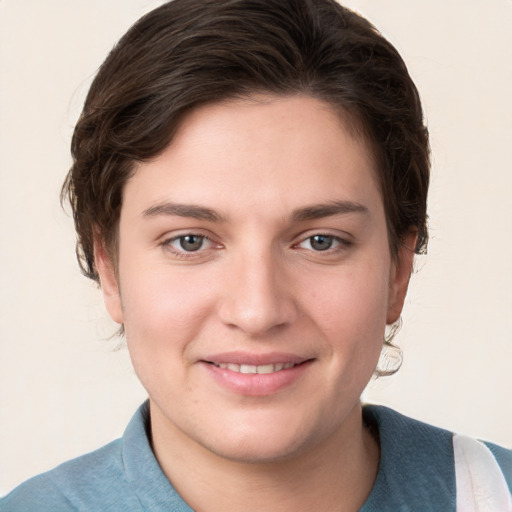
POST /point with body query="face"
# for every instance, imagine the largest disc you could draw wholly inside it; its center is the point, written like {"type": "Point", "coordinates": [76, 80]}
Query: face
{"type": "Point", "coordinates": [254, 278]}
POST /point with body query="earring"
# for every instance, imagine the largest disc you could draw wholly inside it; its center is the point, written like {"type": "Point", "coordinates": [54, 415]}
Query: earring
{"type": "Point", "coordinates": [392, 330]}
{"type": "Point", "coordinates": [391, 356]}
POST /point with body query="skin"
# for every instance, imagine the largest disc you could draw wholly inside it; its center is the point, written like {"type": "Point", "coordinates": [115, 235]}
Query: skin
{"type": "Point", "coordinates": [260, 288]}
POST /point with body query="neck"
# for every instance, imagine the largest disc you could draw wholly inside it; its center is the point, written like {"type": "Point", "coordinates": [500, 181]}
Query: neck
{"type": "Point", "coordinates": [334, 474]}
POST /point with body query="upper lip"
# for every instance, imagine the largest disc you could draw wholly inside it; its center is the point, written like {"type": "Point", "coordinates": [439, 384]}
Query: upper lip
{"type": "Point", "coordinates": [255, 359]}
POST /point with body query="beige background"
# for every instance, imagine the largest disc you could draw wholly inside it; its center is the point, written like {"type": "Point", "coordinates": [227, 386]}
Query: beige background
{"type": "Point", "coordinates": [64, 391]}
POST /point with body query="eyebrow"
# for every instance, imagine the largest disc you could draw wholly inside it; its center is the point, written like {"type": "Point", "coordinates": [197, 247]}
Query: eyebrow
{"type": "Point", "coordinates": [318, 211]}
{"type": "Point", "coordinates": [183, 210]}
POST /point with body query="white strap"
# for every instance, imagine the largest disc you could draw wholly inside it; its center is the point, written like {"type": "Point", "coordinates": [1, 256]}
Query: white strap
{"type": "Point", "coordinates": [481, 486]}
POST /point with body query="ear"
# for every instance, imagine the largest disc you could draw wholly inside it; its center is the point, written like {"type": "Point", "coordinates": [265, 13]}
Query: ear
{"type": "Point", "coordinates": [401, 269]}
{"type": "Point", "coordinates": [109, 284]}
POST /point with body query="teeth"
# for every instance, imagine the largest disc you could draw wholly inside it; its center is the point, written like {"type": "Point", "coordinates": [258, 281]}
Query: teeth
{"type": "Point", "coordinates": [247, 368]}
{"type": "Point", "coordinates": [252, 369]}
{"type": "Point", "coordinates": [266, 368]}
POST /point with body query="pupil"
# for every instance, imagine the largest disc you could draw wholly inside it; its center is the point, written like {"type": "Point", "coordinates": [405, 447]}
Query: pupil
{"type": "Point", "coordinates": [321, 242]}
{"type": "Point", "coordinates": [191, 242]}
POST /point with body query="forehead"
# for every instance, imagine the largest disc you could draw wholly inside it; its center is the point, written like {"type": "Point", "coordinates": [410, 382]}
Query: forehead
{"type": "Point", "coordinates": [260, 151]}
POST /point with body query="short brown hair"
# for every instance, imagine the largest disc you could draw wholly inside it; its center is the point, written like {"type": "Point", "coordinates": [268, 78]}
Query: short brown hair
{"type": "Point", "coordinates": [188, 53]}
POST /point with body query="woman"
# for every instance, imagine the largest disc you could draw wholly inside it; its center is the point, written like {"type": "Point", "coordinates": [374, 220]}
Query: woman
{"type": "Point", "coordinates": [249, 187]}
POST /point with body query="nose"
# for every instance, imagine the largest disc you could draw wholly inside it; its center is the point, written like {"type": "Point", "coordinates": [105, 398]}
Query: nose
{"type": "Point", "coordinates": [258, 295]}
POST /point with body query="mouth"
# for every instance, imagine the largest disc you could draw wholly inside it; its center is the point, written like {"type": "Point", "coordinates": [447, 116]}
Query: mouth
{"type": "Point", "coordinates": [250, 369]}
{"type": "Point", "coordinates": [251, 374]}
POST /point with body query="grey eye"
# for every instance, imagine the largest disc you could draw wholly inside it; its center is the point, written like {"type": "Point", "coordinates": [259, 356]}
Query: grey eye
{"type": "Point", "coordinates": [321, 242]}
{"type": "Point", "coordinates": [191, 243]}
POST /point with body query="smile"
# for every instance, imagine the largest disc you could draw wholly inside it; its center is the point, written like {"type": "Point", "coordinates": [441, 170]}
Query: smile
{"type": "Point", "coordinates": [253, 369]}
{"type": "Point", "coordinates": [256, 375]}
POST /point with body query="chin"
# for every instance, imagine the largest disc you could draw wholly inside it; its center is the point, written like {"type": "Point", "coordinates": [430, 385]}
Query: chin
{"type": "Point", "coordinates": [259, 450]}
{"type": "Point", "coordinates": [266, 439]}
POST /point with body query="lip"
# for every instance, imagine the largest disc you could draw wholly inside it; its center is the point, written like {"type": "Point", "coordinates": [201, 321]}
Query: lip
{"type": "Point", "coordinates": [255, 384]}
{"type": "Point", "coordinates": [255, 359]}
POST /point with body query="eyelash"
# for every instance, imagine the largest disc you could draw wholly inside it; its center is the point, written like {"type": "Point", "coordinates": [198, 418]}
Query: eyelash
{"type": "Point", "coordinates": [167, 244]}
{"type": "Point", "coordinates": [340, 244]}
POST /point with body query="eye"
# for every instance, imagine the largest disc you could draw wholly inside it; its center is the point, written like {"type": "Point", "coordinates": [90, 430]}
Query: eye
{"type": "Point", "coordinates": [320, 242]}
{"type": "Point", "coordinates": [188, 243]}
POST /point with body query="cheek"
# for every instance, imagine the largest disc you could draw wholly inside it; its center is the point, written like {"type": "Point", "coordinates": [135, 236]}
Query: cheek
{"type": "Point", "coordinates": [163, 315]}
{"type": "Point", "coordinates": [351, 313]}
{"type": "Point", "coordinates": [354, 302]}
{"type": "Point", "coordinates": [163, 311]}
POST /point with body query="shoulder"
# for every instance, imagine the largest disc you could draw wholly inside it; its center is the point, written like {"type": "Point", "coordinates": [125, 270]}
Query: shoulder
{"type": "Point", "coordinates": [418, 461]}
{"type": "Point", "coordinates": [416, 466]}
{"type": "Point", "coordinates": [504, 458]}
{"type": "Point", "coordinates": [123, 475]}
{"type": "Point", "coordinates": [93, 478]}
{"type": "Point", "coordinates": [96, 481]}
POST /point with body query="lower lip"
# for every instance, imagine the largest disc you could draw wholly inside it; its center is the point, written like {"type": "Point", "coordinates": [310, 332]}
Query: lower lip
{"type": "Point", "coordinates": [256, 384]}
